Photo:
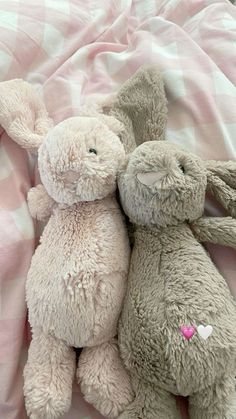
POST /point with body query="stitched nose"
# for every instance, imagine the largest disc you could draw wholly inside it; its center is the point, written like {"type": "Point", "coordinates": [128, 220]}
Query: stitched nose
{"type": "Point", "coordinates": [71, 176]}
{"type": "Point", "coordinates": [150, 178]}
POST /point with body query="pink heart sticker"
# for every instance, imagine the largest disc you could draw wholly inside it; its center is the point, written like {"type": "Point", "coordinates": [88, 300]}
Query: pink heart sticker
{"type": "Point", "coordinates": [188, 331]}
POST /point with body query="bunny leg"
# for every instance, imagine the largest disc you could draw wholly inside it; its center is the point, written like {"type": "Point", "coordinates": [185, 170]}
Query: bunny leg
{"type": "Point", "coordinates": [216, 402]}
{"type": "Point", "coordinates": [103, 379]}
{"type": "Point", "coordinates": [151, 403]}
{"type": "Point", "coordinates": [48, 377]}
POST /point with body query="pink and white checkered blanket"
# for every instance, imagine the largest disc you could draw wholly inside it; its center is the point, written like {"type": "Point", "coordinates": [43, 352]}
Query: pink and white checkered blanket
{"type": "Point", "coordinates": [74, 49]}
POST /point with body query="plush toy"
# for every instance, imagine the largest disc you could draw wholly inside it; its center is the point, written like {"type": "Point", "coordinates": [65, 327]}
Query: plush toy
{"type": "Point", "coordinates": [177, 331]}
{"type": "Point", "coordinates": [77, 279]}
{"type": "Point", "coordinates": [76, 282]}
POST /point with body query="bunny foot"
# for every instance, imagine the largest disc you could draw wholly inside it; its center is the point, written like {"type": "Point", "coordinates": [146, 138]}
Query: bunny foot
{"type": "Point", "coordinates": [103, 379]}
{"type": "Point", "coordinates": [48, 377]}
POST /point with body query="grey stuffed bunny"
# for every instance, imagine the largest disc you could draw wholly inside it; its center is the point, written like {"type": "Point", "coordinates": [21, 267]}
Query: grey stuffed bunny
{"type": "Point", "coordinates": [177, 332]}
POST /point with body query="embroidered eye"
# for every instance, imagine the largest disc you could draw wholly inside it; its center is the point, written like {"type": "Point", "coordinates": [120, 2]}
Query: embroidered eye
{"type": "Point", "coordinates": [182, 168]}
{"type": "Point", "coordinates": [93, 151]}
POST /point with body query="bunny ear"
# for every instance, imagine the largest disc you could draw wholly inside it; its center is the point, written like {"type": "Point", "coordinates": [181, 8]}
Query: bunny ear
{"type": "Point", "coordinates": [22, 114]}
{"type": "Point", "coordinates": [221, 183]}
{"type": "Point", "coordinates": [113, 124]}
{"type": "Point", "coordinates": [101, 106]}
{"type": "Point", "coordinates": [142, 108]}
{"type": "Point", "coordinates": [101, 109]}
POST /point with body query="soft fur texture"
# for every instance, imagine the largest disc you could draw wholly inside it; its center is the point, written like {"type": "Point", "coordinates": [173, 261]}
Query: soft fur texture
{"type": "Point", "coordinates": [23, 114]}
{"type": "Point", "coordinates": [77, 279]}
{"type": "Point", "coordinates": [75, 297]}
{"type": "Point", "coordinates": [173, 283]}
{"type": "Point", "coordinates": [221, 183]}
{"type": "Point", "coordinates": [142, 108]}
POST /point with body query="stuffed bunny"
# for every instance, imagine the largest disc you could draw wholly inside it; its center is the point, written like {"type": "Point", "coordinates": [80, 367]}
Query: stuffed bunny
{"type": "Point", "coordinates": [77, 279]}
{"type": "Point", "coordinates": [177, 332]}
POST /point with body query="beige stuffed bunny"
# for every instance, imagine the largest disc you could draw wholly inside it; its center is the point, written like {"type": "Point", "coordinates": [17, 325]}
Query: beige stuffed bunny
{"type": "Point", "coordinates": [77, 278]}
{"type": "Point", "coordinates": [177, 332]}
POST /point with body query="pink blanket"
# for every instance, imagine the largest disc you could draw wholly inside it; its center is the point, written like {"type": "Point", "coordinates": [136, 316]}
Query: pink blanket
{"type": "Point", "coordinates": [75, 49]}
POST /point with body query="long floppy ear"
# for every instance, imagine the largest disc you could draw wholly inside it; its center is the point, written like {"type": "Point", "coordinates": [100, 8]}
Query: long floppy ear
{"type": "Point", "coordinates": [221, 183]}
{"type": "Point", "coordinates": [142, 108]}
{"type": "Point", "coordinates": [23, 115]}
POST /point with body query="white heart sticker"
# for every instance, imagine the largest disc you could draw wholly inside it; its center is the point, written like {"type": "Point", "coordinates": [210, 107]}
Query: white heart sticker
{"type": "Point", "coordinates": [205, 331]}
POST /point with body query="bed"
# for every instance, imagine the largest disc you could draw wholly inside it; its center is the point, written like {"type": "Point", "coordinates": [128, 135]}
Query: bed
{"type": "Point", "coordinates": [73, 51]}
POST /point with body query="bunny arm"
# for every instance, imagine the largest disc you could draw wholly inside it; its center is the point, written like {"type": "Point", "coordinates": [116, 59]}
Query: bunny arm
{"type": "Point", "coordinates": [221, 183]}
{"type": "Point", "coordinates": [224, 170]}
{"type": "Point", "coordinates": [104, 380]}
{"type": "Point", "coordinates": [217, 230]}
{"type": "Point", "coordinates": [40, 203]}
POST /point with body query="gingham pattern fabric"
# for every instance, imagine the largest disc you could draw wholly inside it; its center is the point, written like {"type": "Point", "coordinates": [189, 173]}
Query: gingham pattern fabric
{"type": "Point", "coordinates": [75, 49]}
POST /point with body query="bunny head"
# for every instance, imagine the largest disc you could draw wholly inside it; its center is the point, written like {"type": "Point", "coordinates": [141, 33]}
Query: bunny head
{"type": "Point", "coordinates": [80, 158]}
{"type": "Point", "coordinates": [163, 185]}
